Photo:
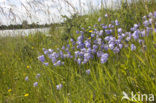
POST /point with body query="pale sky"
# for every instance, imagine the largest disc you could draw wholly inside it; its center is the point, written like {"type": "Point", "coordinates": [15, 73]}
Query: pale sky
{"type": "Point", "coordinates": [43, 11]}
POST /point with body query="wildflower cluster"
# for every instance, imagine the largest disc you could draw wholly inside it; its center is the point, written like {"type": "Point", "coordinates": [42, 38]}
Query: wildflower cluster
{"type": "Point", "coordinates": [103, 37]}
{"type": "Point", "coordinates": [35, 84]}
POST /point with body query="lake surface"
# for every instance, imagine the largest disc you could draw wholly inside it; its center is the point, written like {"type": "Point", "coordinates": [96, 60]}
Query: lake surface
{"type": "Point", "coordinates": [23, 31]}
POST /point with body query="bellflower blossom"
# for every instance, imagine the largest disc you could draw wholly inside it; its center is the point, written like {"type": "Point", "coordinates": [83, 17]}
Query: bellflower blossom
{"type": "Point", "coordinates": [79, 61]}
{"type": "Point", "coordinates": [99, 53]}
{"type": "Point", "coordinates": [92, 35]}
{"type": "Point", "coordinates": [135, 34]}
{"type": "Point", "coordinates": [119, 30]}
{"type": "Point", "coordinates": [46, 64]}
{"type": "Point", "coordinates": [99, 20]}
{"type": "Point", "coordinates": [104, 58]}
{"type": "Point", "coordinates": [111, 46]}
{"type": "Point", "coordinates": [133, 47]}
{"type": "Point", "coordinates": [116, 50]}
{"type": "Point", "coordinates": [38, 75]}
{"type": "Point", "coordinates": [77, 32]}
{"type": "Point", "coordinates": [88, 71]}
{"type": "Point", "coordinates": [107, 38]}
{"type": "Point", "coordinates": [116, 22]}
{"type": "Point", "coordinates": [120, 46]}
{"type": "Point", "coordinates": [146, 23]}
{"type": "Point", "coordinates": [155, 14]}
{"type": "Point", "coordinates": [59, 86]}
{"type": "Point", "coordinates": [108, 31]}
{"type": "Point", "coordinates": [104, 27]}
{"type": "Point", "coordinates": [87, 43]}
{"type": "Point", "coordinates": [106, 15]}
{"type": "Point", "coordinates": [136, 26]}
{"type": "Point", "coordinates": [41, 58]}
{"type": "Point", "coordinates": [35, 84]}
{"type": "Point", "coordinates": [58, 63]}
{"type": "Point", "coordinates": [101, 33]}
{"type": "Point", "coordinates": [95, 47]}
{"type": "Point", "coordinates": [26, 78]}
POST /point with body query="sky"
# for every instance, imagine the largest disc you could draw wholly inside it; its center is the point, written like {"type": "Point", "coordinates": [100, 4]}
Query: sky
{"type": "Point", "coordinates": [43, 11]}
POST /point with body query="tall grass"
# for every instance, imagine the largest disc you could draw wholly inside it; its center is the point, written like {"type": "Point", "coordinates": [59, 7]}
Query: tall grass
{"type": "Point", "coordinates": [127, 71]}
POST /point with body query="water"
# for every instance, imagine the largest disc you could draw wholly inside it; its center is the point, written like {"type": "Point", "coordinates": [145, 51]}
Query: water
{"type": "Point", "coordinates": [23, 32]}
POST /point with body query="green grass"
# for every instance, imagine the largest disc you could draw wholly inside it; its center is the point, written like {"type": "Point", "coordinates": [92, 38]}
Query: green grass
{"type": "Point", "coordinates": [128, 71]}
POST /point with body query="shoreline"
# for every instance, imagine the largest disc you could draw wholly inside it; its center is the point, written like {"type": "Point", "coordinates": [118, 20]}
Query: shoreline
{"type": "Point", "coordinates": [22, 31]}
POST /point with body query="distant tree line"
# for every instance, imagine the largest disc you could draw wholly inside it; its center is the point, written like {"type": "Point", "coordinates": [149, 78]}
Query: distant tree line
{"type": "Point", "coordinates": [25, 25]}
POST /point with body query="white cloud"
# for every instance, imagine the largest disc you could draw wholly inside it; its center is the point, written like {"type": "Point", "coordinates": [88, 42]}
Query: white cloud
{"type": "Point", "coordinates": [42, 11]}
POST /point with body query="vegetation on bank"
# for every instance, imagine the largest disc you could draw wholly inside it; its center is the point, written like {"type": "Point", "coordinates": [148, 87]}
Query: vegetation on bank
{"type": "Point", "coordinates": [25, 25]}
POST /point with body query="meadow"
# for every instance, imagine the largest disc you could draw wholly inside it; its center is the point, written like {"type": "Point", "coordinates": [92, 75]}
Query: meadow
{"type": "Point", "coordinates": [92, 58]}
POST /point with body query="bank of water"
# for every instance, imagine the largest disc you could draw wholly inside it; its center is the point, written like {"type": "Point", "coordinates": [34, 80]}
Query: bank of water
{"type": "Point", "coordinates": [23, 32]}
